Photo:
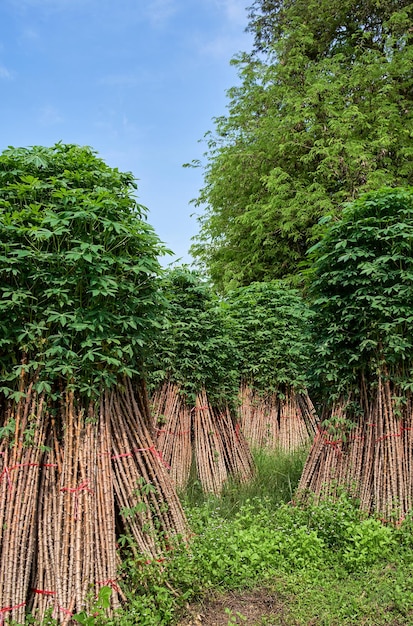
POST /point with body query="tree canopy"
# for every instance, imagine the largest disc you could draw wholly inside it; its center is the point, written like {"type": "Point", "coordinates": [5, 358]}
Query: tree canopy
{"type": "Point", "coordinates": [78, 268]}
{"type": "Point", "coordinates": [323, 113]}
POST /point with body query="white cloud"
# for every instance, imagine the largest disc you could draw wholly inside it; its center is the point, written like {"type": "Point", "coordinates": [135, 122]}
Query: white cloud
{"type": "Point", "coordinates": [49, 116]}
{"type": "Point", "coordinates": [158, 12]}
{"type": "Point", "coordinates": [235, 11]}
{"type": "Point", "coordinates": [4, 72]}
{"type": "Point", "coordinates": [230, 37]}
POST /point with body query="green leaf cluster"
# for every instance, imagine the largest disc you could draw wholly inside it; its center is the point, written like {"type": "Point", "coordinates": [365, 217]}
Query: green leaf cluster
{"type": "Point", "coordinates": [78, 270]}
{"type": "Point", "coordinates": [194, 348]}
{"type": "Point", "coordinates": [323, 113]}
{"type": "Point", "coordinates": [362, 292]}
{"type": "Point", "coordinates": [270, 324]}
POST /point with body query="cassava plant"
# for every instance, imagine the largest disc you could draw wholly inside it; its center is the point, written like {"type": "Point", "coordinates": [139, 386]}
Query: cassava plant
{"type": "Point", "coordinates": [78, 266]}
{"type": "Point", "coordinates": [194, 378]}
{"type": "Point", "coordinates": [362, 294]}
{"type": "Point", "coordinates": [79, 303]}
{"type": "Point", "coordinates": [270, 324]}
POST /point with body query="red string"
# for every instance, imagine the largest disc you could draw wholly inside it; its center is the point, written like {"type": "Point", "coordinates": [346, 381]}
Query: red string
{"type": "Point", "coordinates": [81, 487]}
{"type": "Point", "coordinates": [110, 582]}
{"type": "Point", "coordinates": [8, 609]}
{"type": "Point", "coordinates": [388, 436]}
{"type": "Point", "coordinates": [76, 490]}
{"type": "Point", "coordinates": [330, 442]}
{"type": "Point", "coordinates": [158, 454]}
{"type": "Point", "coordinates": [199, 408]}
{"type": "Point", "coordinates": [65, 611]}
{"type": "Point", "coordinates": [152, 449]}
{"type": "Point", "coordinates": [6, 470]}
{"type": "Point", "coordinates": [44, 592]}
{"type": "Point", "coordinates": [334, 444]}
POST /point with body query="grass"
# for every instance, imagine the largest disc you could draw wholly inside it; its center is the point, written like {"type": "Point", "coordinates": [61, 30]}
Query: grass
{"type": "Point", "coordinates": [276, 478]}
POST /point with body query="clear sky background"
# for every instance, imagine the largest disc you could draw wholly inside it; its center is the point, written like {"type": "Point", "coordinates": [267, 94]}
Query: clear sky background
{"type": "Point", "coordinates": [137, 80]}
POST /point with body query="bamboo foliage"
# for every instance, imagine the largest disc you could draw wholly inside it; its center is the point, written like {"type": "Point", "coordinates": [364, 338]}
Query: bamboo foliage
{"type": "Point", "coordinates": [202, 433]}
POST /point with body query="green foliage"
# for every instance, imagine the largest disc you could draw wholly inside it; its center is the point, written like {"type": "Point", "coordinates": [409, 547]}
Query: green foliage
{"type": "Point", "coordinates": [78, 264]}
{"type": "Point", "coordinates": [98, 610]}
{"type": "Point", "coordinates": [234, 618]}
{"type": "Point", "coordinates": [322, 114]}
{"type": "Point", "coordinates": [362, 290]}
{"type": "Point", "coordinates": [367, 542]}
{"type": "Point", "coordinates": [275, 480]}
{"type": "Point", "coordinates": [271, 329]}
{"type": "Point", "coordinates": [263, 544]}
{"type": "Point", "coordinates": [194, 348]}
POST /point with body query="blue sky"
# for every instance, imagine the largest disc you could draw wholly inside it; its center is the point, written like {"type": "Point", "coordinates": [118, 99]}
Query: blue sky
{"type": "Point", "coordinates": [138, 80]}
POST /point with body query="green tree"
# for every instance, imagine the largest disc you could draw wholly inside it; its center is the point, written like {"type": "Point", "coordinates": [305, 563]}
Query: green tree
{"type": "Point", "coordinates": [323, 113]}
{"type": "Point", "coordinates": [78, 268]}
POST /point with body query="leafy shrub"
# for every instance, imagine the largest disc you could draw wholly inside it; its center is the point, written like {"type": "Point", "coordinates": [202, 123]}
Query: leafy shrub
{"type": "Point", "coordinates": [362, 291]}
{"type": "Point", "coordinates": [368, 542]}
{"type": "Point", "coordinates": [259, 543]}
{"type": "Point", "coordinates": [271, 328]}
{"type": "Point", "coordinates": [194, 348]}
{"type": "Point", "coordinates": [78, 261]}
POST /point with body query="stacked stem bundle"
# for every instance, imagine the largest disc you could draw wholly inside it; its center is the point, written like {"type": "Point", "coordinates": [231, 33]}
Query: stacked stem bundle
{"type": "Point", "coordinates": [173, 431]}
{"type": "Point", "coordinates": [21, 464]}
{"type": "Point", "coordinates": [273, 421]}
{"type": "Point", "coordinates": [372, 460]}
{"type": "Point", "coordinates": [62, 506]}
{"type": "Point", "coordinates": [204, 433]}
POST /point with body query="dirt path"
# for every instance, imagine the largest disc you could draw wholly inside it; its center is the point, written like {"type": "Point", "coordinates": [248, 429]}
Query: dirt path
{"type": "Point", "coordinates": [255, 608]}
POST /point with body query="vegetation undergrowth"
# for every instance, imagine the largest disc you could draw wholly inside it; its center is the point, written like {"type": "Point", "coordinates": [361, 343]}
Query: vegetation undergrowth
{"type": "Point", "coordinates": [276, 478]}
{"type": "Point", "coordinates": [326, 562]}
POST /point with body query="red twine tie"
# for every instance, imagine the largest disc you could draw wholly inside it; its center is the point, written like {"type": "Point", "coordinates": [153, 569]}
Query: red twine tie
{"type": "Point", "coordinates": [8, 609]}
{"type": "Point", "coordinates": [7, 470]}
{"type": "Point", "coordinates": [152, 449]}
{"type": "Point", "coordinates": [44, 592]}
{"type": "Point", "coordinates": [199, 408]}
{"type": "Point", "coordinates": [109, 583]}
{"type": "Point", "coordinates": [75, 491]}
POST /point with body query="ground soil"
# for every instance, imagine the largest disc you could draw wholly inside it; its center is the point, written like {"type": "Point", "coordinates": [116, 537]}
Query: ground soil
{"type": "Point", "coordinates": [257, 607]}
